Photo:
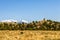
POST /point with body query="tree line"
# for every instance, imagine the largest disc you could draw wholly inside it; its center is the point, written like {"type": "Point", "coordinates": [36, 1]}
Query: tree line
{"type": "Point", "coordinates": [34, 25]}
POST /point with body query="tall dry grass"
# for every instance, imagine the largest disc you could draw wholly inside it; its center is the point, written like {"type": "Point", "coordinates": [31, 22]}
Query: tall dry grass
{"type": "Point", "coordinates": [29, 35]}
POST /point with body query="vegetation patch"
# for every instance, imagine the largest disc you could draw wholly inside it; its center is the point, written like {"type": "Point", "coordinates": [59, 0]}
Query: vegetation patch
{"type": "Point", "coordinates": [34, 25]}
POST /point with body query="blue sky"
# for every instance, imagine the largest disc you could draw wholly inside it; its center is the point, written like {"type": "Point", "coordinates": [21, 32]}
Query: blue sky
{"type": "Point", "coordinates": [30, 9]}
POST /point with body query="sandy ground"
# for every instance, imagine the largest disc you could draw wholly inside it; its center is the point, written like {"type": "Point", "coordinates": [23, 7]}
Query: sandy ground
{"type": "Point", "coordinates": [29, 35]}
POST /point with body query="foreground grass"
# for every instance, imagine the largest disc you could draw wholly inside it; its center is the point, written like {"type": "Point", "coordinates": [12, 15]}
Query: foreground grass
{"type": "Point", "coordinates": [29, 35]}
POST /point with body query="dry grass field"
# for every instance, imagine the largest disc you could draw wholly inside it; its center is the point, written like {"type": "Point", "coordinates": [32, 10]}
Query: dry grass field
{"type": "Point", "coordinates": [29, 35]}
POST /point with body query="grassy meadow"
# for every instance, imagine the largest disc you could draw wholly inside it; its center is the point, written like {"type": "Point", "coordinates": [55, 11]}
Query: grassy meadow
{"type": "Point", "coordinates": [29, 35]}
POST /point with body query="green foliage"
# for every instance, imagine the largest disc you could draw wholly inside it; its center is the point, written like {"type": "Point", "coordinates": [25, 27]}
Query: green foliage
{"type": "Point", "coordinates": [34, 25]}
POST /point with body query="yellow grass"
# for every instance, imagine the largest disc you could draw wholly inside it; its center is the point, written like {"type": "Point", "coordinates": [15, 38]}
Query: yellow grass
{"type": "Point", "coordinates": [29, 35]}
